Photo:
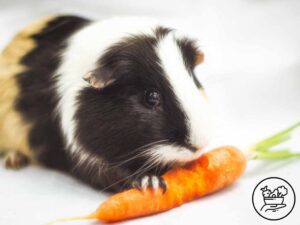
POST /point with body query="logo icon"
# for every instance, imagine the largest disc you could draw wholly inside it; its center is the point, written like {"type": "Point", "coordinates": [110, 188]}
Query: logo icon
{"type": "Point", "coordinates": [273, 198]}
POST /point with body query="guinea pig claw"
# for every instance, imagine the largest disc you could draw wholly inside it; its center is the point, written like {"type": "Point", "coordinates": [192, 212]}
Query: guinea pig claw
{"type": "Point", "coordinates": [162, 185]}
{"type": "Point", "coordinates": [150, 181]}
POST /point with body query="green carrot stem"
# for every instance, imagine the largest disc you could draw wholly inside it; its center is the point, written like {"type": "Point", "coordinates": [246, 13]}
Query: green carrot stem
{"type": "Point", "coordinates": [263, 148]}
{"type": "Point", "coordinates": [267, 144]}
{"type": "Point", "coordinates": [284, 154]}
{"type": "Point", "coordinates": [275, 139]}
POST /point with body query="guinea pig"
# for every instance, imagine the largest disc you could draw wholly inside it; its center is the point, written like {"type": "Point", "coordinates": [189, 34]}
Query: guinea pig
{"type": "Point", "coordinates": [116, 103]}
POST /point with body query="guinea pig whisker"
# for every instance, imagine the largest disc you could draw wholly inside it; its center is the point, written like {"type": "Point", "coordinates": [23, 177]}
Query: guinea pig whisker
{"type": "Point", "coordinates": [157, 158]}
{"type": "Point", "coordinates": [141, 170]}
{"type": "Point", "coordinates": [119, 163]}
{"type": "Point", "coordinates": [145, 146]}
{"type": "Point", "coordinates": [158, 169]}
{"type": "Point", "coordinates": [134, 157]}
{"type": "Point", "coordinates": [138, 171]}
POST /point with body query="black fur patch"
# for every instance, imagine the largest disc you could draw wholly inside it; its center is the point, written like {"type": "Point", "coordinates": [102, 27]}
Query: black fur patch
{"type": "Point", "coordinates": [115, 120]}
{"type": "Point", "coordinates": [189, 51]}
{"type": "Point", "coordinates": [161, 32]}
{"type": "Point", "coordinates": [37, 101]}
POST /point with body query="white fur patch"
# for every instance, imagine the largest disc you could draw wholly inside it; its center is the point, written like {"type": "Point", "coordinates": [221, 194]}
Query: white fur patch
{"type": "Point", "coordinates": [192, 102]}
{"type": "Point", "coordinates": [164, 154]}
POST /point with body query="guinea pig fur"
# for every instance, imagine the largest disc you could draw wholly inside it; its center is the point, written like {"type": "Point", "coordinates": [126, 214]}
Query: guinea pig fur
{"type": "Point", "coordinates": [115, 103]}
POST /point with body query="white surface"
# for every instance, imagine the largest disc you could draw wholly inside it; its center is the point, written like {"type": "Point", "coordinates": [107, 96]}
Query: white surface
{"type": "Point", "coordinates": [252, 76]}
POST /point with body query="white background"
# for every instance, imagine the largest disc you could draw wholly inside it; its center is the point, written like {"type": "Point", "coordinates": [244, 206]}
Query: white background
{"type": "Point", "coordinates": [252, 78]}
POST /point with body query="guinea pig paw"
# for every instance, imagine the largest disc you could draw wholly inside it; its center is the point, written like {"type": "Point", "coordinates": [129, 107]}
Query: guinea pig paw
{"type": "Point", "coordinates": [150, 181]}
{"type": "Point", "coordinates": [15, 160]}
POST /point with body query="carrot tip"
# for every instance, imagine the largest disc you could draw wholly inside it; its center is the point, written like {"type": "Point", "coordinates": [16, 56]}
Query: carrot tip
{"type": "Point", "coordinates": [88, 217]}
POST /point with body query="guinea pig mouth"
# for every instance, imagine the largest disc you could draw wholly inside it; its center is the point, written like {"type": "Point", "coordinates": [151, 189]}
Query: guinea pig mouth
{"type": "Point", "coordinates": [165, 154]}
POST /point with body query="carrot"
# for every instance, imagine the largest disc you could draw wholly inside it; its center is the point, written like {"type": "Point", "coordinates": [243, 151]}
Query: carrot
{"type": "Point", "coordinates": [211, 172]}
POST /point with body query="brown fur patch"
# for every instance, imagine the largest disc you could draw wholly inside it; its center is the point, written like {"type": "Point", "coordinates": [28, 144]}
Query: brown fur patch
{"type": "Point", "coordinates": [13, 129]}
{"type": "Point", "coordinates": [199, 58]}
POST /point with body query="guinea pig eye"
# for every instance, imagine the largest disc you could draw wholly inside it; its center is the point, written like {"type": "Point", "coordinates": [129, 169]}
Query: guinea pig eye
{"type": "Point", "coordinates": [152, 98]}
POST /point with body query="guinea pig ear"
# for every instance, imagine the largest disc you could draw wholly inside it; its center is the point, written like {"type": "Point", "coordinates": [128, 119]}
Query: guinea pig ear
{"type": "Point", "coordinates": [98, 78]}
{"type": "Point", "coordinates": [199, 57]}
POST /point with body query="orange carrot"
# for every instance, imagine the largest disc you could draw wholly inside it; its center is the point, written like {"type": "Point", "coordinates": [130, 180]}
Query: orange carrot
{"type": "Point", "coordinates": [211, 172]}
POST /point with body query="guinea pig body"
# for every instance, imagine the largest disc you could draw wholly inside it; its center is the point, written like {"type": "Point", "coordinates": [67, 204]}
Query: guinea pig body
{"type": "Point", "coordinates": [115, 102]}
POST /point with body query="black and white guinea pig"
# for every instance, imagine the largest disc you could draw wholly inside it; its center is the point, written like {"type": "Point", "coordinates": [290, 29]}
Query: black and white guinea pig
{"type": "Point", "coordinates": [116, 102]}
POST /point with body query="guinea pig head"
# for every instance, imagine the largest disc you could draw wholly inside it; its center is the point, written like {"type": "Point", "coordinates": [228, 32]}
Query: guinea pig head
{"type": "Point", "coordinates": [143, 103]}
